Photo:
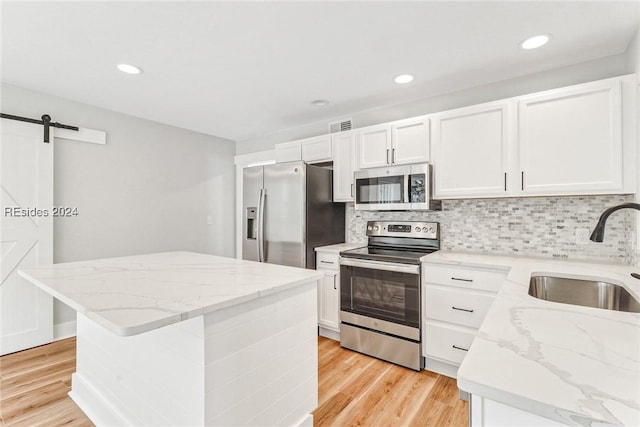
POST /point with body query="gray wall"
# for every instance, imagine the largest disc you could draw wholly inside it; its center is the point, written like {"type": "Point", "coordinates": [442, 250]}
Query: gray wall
{"type": "Point", "coordinates": [149, 189]}
{"type": "Point", "coordinates": [588, 71]}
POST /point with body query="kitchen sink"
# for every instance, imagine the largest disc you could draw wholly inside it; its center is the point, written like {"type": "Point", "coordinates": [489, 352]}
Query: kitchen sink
{"type": "Point", "coordinates": [588, 293]}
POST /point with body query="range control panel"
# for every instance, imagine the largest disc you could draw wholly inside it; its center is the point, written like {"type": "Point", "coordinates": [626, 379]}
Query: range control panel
{"type": "Point", "coordinates": [414, 229]}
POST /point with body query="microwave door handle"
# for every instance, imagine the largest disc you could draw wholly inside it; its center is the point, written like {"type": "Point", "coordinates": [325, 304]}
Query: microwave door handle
{"type": "Point", "coordinates": [407, 183]}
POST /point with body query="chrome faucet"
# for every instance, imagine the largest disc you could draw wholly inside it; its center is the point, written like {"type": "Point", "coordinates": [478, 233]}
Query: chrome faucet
{"type": "Point", "coordinates": [598, 232]}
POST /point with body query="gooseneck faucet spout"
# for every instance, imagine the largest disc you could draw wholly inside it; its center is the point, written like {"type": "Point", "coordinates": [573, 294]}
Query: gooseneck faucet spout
{"type": "Point", "coordinates": [598, 232]}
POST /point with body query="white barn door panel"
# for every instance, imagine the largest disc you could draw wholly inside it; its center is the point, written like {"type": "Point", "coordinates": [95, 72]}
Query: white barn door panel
{"type": "Point", "coordinates": [26, 183]}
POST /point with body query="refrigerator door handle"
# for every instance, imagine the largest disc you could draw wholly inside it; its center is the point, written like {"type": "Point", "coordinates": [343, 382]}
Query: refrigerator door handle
{"type": "Point", "coordinates": [261, 226]}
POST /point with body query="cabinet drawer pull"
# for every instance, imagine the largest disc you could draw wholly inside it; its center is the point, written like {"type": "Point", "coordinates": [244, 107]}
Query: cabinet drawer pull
{"type": "Point", "coordinates": [505, 181]}
{"type": "Point", "coordinates": [459, 348]}
{"type": "Point", "coordinates": [387, 156]}
{"type": "Point", "coordinates": [393, 155]}
{"type": "Point", "coordinates": [462, 280]}
{"type": "Point", "coordinates": [351, 190]}
{"type": "Point", "coordinates": [327, 262]}
{"type": "Point", "coordinates": [462, 309]}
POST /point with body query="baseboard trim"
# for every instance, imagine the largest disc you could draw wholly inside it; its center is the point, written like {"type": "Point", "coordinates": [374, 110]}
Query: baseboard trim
{"type": "Point", "coordinates": [328, 333]}
{"type": "Point", "coordinates": [94, 404]}
{"type": "Point", "coordinates": [64, 330]}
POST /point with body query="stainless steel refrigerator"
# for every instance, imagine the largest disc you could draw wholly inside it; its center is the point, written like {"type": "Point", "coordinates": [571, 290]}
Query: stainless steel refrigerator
{"type": "Point", "coordinates": [288, 210]}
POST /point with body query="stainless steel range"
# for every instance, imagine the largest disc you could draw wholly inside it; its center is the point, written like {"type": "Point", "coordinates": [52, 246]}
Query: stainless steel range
{"type": "Point", "coordinates": [380, 291]}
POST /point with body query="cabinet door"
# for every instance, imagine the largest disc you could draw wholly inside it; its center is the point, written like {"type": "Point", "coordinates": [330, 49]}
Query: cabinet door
{"type": "Point", "coordinates": [470, 151]}
{"type": "Point", "coordinates": [410, 141]}
{"type": "Point", "coordinates": [344, 164]}
{"type": "Point", "coordinates": [288, 152]}
{"type": "Point", "coordinates": [317, 149]}
{"type": "Point", "coordinates": [571, 140]}
{"type": "Point", "coordinates": [374, 146]}
{"type": "Point", "coordinates": [329, 301]}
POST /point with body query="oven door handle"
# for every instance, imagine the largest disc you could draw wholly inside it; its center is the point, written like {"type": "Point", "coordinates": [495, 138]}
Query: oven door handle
{"type": "Point", "coordinates": [377, 265]}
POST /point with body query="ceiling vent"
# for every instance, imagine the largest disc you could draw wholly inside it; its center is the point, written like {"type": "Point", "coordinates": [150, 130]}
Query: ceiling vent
{"type": "Point", "coordinates": [340, 126]}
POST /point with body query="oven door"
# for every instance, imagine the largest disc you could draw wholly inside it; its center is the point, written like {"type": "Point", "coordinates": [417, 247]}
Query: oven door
{"type": "Point", "coordinates": [378, 290]}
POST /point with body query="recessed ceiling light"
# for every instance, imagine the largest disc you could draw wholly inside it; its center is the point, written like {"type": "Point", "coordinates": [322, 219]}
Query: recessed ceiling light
{"type": "Point", "coordinates": [403, 78]}
{"type": "Point", "coordinates": [320, 102]}
{"type": "Point", "coordinates": [535, 41]}
{"type": "Point", "coordinates": [129, 69]}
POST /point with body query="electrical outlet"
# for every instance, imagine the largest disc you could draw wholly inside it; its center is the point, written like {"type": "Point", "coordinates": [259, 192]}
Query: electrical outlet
{"type": "Point", "coordinates": [582, 236]}
{"type": "Point", "coordinates": [209, 220]}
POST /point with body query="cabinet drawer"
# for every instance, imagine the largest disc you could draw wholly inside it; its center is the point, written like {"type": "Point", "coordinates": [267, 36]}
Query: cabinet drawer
{"type": "Point", "coordinates": [456, 306]}
{"type": "Point", "coordinates": [486, 280]}
{"type": "Point", "coordinates": [327, 260]}
{"type": "Point", "coordinates": [447, 343]}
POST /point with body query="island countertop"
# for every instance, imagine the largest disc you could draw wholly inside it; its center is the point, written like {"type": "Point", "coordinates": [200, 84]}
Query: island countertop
{"type": "Point", "coordinates": [135, 294]}
{"type": "Point", "coordinates": [577, 365]}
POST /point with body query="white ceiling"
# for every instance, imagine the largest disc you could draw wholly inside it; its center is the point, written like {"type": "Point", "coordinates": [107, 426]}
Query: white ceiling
{"type": "Point", "coordinates": [243, 69]}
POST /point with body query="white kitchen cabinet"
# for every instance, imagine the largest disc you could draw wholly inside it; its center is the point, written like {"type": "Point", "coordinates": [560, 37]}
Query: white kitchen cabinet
{"type": "Point", "coordinates": [575, 140]}
{"type": "Point", "coordinates": [570, 140]}
{"type": "Point", "coordinates": [288, 152]}
{"type": "Point", "coordinates": [395, 143]}
{"type": "Point", "coordinates": [410, 141]}
{"type": "Point", "coordinates": [485, 412]}
{"type": "Point", "coordinates": [329, 294]}
{"type": "Point", "coordinates": [310, 150]}
{"type": "Point", "coordinates": [374, 146]}
{"type": "Point", "coordinates": [316, 149]}
{"type": "Point", "coordinates": [471, 150]}
{"type": "Point", "coordinates": [344, 164]}
{"type": "Point", "coordinates": [455, 301]}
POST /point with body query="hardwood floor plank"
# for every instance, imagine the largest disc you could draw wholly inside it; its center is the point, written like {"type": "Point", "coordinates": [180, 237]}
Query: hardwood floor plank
{"type": "Point", "coordinates": [353, 389]}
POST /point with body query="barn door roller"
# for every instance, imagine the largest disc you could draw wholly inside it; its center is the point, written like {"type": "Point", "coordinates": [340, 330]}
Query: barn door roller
{"type": "Point", "coordinates": [45, 121]}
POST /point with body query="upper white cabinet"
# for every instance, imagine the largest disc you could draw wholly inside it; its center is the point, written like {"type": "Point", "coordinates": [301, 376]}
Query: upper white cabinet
{"type": "Point", "coordinates": [374, 146]}
{"type": "Point", "coordinates": [570, 140]}
{"type": "Point", "coordinates": [311, 150]}
{"type": "Point", "coordinates": [344, 164]}
{"type": "Point", "coordinates": [317, 149]}
{"type": "Point", "coordinates": [400, 142]}
{"type": "Point", "coordinates": [471, 150]}
{"type": "Point", "coordinates": [288, 152]}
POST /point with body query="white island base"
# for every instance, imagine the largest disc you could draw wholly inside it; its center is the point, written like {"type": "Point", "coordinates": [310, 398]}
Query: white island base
{"type": "Point", "coordinates": [254, 363]}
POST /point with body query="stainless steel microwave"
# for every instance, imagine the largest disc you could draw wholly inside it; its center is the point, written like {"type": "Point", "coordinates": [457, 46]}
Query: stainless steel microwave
{"type": "Point", "coordinates": [394, 188]}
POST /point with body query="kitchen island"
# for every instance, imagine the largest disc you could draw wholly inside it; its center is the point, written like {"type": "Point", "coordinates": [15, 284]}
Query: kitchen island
{"type": "Point", "coordinates": [181, 338]}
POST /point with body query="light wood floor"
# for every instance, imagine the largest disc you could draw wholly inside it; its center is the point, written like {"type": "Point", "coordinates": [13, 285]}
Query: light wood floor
{"type": "Point", "coordinates": [353, 390]}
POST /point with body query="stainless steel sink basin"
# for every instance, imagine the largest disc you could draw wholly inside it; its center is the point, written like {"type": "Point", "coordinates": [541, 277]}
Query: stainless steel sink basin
{"type": "Point", "coordinates": [588, 293]}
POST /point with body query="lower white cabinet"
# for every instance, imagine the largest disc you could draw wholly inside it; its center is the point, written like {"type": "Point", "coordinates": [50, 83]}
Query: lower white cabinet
{"type": "Point", "coordinates": [485, 412]}
{"type": "Point", "coordinates": [329, 294]}
{"type": "Point", "coordinates": [455, 301]}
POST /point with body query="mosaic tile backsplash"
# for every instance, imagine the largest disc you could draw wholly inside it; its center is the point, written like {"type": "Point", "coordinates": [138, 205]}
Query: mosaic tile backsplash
{"type": "Point", "coordinates": [532, 226]}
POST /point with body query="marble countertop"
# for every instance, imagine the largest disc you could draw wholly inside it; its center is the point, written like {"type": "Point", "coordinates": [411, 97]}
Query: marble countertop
{"type": "Point", "coordinates": [578, 365]}
{"type": "Point", "coordinates": [134, 294]}
{"type": "Point", "coordinates": [339, 247]}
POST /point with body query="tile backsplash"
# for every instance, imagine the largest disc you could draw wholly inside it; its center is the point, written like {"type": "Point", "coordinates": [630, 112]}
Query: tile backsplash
{"type": "Point", "coordinates": [532, 226]}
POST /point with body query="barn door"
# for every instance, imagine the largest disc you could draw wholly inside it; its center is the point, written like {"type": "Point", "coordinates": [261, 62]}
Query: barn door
{"type": "Point", "coordinates": [26, 239]}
